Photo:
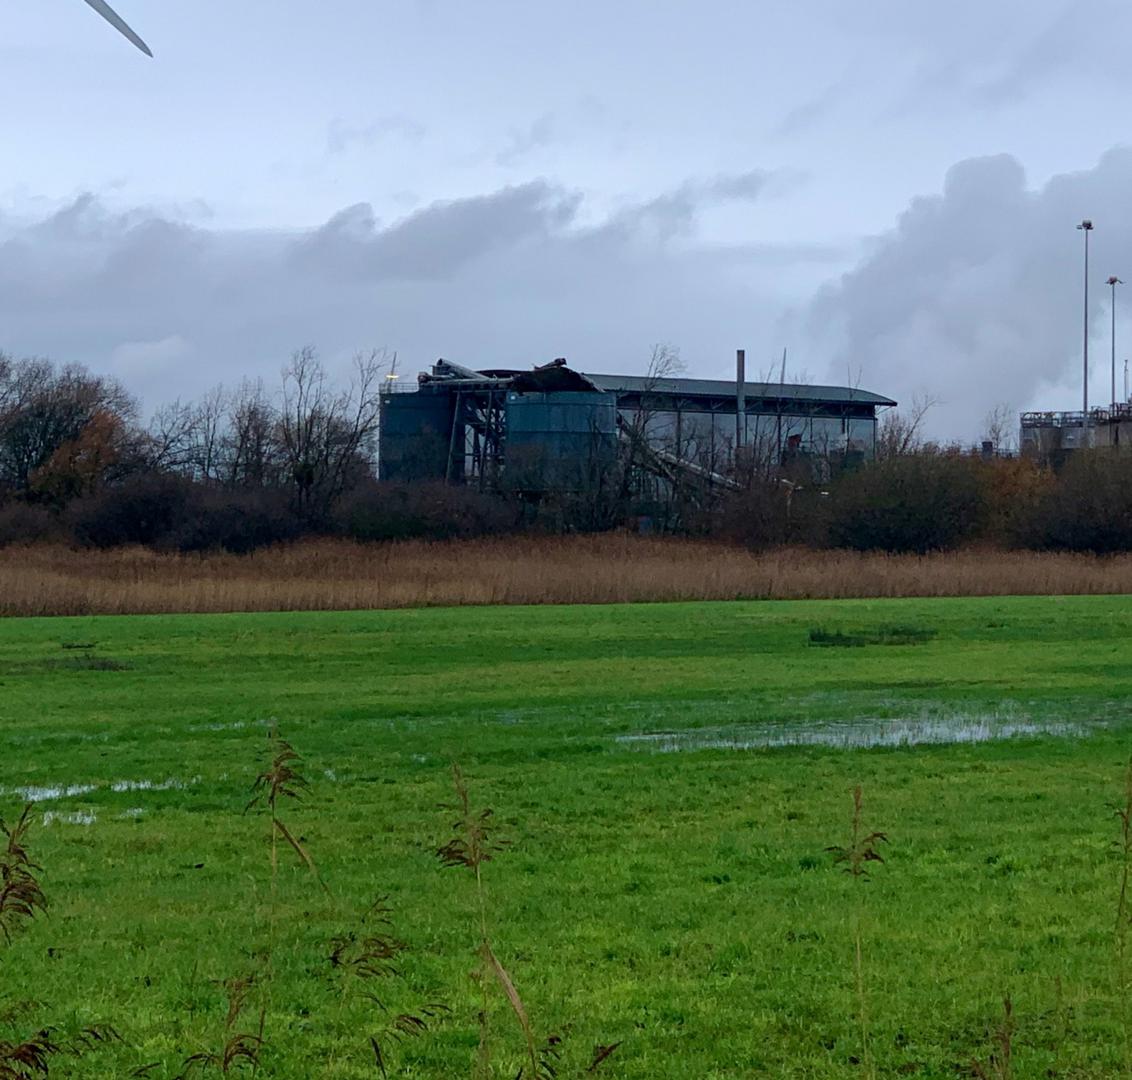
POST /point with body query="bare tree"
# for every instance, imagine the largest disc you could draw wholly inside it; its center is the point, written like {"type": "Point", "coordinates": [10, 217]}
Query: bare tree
{"type": "Point", "coordinates": [208, 432]}
{"type": "Point", "coordinates": [324, 434]}
{"type": "Point", "coordinates": [902, 432]}
{"type": "Point", "coordinates": [169, 438]}
{"type": "Point", "coordinates": [7, 390]}
{"type": "Point", "coordinates": [313, 438]}
{"type": "Point", "coordinates": [768, 434]}
{"type": "Point", "coordinates": [638, 427]}
{"type": "Point", "coordinates": [251, 452]}
{"type": "Point", "coordinates": [1000, 427]}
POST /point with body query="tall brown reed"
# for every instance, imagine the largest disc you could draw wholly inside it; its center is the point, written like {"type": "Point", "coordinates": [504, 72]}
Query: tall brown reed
{"type": "Point", "coordinates": [237, 1048]}
{"type": "Point", "coordinates": [21, 895]}
{"type": "Point", "coordinates": [279, 781]}
{"type": "Point", "coordinates": [21, 899]}
{"type": "Point", "coordinates": [473, 845]}
{"type": "Point", "coordinates": [856, 858]}
{"type": "Point", "coordinates": [366, 962]}
{"type": "Point", "coordinates": [471, 848]}
{"type": "Point", "coordinates": [613, 568]}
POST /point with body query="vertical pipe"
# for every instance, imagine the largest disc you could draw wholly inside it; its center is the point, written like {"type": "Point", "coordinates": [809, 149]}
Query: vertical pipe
{"type": "Point", "coordinates": [740, 396]}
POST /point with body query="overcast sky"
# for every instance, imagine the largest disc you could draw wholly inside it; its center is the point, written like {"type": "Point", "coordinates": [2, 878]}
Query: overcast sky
{"type": "Point", "coordinates": [888, 190]}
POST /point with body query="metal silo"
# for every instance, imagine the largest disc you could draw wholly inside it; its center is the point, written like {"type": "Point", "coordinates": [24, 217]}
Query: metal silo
{"type": "Point", "coordinates": [560, 440]}
{"type": "Point", "coordinates": [416, 436]}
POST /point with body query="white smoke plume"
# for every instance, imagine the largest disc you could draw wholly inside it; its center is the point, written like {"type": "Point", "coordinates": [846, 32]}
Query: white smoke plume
{"type": "Point", "coordinates": [975, 297]}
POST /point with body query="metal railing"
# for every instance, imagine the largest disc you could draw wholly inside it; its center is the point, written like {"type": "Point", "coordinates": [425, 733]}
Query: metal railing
{"type": "Point", "coordinates": [1101, 415]}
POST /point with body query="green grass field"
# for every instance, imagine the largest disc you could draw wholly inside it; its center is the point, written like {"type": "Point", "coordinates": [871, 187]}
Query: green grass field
{"type": "Point", "coordinates": [673, 893]}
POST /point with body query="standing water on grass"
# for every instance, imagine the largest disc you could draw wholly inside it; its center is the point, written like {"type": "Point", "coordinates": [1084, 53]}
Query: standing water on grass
{"type": "Point", "coordinates": [856, 734]}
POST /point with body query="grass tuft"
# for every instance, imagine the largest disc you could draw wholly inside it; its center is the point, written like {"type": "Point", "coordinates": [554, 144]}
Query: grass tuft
{"type": "Point", "coordinates": [883, 635]}
{"type": "Point", "coordinates": [1000, 1064]}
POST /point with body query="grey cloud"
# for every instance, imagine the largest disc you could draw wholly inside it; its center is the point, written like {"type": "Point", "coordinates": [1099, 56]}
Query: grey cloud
{"type": "Point", "coordinates": [509, 277]}
{"type": "Point", "coordinates": [975, 295]}
{"type": "Point", "coordinates": [673, 213]}
{"type": "Point", "coordinates": [438, 240]}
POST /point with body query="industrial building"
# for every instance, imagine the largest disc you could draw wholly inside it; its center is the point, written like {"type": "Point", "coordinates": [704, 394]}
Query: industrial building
{"type": "Point", "coordinates": [554, 428]}
{"type": "Point", "coordinates": [1052, 436]}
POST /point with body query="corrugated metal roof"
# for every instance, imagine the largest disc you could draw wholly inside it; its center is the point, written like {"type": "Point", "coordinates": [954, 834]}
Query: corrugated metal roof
{"type": "Point", "coordinates": [636, 384]}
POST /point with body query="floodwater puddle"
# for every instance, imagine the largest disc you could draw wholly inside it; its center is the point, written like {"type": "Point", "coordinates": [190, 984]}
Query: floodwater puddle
{"type": "Point", "coordinates": [170, 784]}
{"type": "Point", "coordinates": [79, 817]}
{"type": "Point", "coordinates": [856, 734]}
{"type": "Point", "coordinates": [34, 793]}
{"type": "Point", "coordinates": [233, 725]}
{"type": "Point", "coordinates": [37, 793]}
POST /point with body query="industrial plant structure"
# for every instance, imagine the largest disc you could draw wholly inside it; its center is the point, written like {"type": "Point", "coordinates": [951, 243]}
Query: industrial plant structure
{"type": "Point", "coordinates": [1052, 436]}
{"type": "Point", "coordinates": [554, 428]}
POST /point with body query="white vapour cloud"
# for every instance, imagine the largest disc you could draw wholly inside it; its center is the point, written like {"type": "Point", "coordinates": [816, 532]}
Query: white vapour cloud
{"type": "Point", "coordinates": [976, 295]}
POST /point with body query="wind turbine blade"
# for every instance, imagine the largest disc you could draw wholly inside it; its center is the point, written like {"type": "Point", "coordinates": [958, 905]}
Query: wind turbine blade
{"type": "Point", "coordinates": [119, 24]}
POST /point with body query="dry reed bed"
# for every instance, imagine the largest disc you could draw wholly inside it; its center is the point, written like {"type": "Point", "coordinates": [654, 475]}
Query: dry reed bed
{"type": "Point", "coordinates": [333, 575]}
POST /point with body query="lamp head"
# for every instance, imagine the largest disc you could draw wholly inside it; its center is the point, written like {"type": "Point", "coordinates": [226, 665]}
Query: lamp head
{"type": "Point", "coordinates": [1086, 225]}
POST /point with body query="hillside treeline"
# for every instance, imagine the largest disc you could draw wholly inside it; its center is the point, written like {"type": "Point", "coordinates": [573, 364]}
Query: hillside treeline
{"type": "Point", "coordinates": [256, 465]}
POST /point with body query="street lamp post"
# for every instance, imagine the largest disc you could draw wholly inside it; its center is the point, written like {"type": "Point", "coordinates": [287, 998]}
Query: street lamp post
{"type": "Point", "coordinates": [1086, 227]}
{"type": "Point", "coordinates": [1113, 282]}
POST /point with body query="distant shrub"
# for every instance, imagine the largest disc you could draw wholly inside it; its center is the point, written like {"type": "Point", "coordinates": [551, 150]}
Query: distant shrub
{"type": "Point", "coordinates": [1087, 508]}
{"type": "Point", "coordinates": [766, 514]}
{"type": "Point", "coordinates": [1014, 488]}
{"type": "Point", "coordinates": [172, 514]}
{"type": "Point", "coordinates": [912, 503]}
{"type": "Point", "coordinates": [883, 635]}
{"type": "Point", "coordinates": [85, 662]}
{"type": "Point", "coordinates": [24, 524]}
{"type": "Point", "coordinates": [432, 511]}
{"type": "Point", "coordinates": [236, 521]}
{"type": "Point", "coordinates": [756, 517]}
{"type": "Point", "coordinates": [144, 510]}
